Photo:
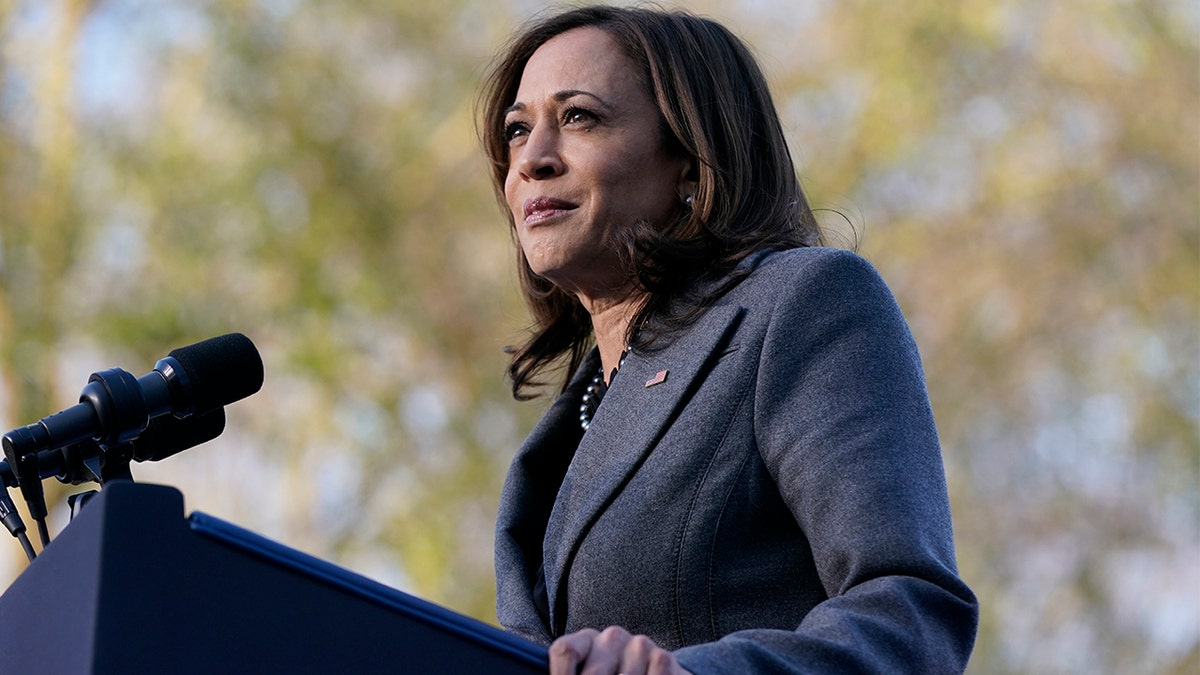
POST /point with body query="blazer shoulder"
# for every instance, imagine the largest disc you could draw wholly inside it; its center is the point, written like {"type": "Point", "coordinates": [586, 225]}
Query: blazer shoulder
{"type": "Point", "coordinates": [812, 260]}
{"type": "Point", "coordinates": [818, 271]}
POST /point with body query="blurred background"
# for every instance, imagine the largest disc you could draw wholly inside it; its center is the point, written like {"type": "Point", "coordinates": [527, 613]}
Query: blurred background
{"type": "Point", "coordinates": [1024, 174]}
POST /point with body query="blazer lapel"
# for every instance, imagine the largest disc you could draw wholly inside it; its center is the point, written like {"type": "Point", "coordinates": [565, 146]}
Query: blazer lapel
{"type": "Point", "coordinates": [637, 409]}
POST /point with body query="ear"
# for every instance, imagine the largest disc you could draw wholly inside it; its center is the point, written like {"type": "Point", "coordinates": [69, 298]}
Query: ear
{"type": "Point", "coordinates": [689, 178]}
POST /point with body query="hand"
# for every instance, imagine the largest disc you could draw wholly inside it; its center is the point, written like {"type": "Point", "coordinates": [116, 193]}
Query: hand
{"type": "Point", "coordinates": [609, 652]}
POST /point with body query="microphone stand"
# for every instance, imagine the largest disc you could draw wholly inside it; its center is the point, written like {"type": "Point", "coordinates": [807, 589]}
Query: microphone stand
{"type": "Point", "coordinates": [93, 440]}
{"type": "Point", "coordinates": [12, 520]}
{"type": "Point", "coordinates": [84, 462]}
{"type": "Point", "coordinates": [111, 401]}
{"type": "Point", "coordinates": [89, 462]}
{"type": "Point", "coordinates": [21, 451]}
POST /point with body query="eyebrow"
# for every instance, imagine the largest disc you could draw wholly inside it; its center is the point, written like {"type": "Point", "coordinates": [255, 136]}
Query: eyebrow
{"type": "Point", "coordinates": [559, 97]}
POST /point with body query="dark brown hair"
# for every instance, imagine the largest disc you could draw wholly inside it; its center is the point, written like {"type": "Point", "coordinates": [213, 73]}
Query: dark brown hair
{"type": "Point", "coordinates": [714, 106]}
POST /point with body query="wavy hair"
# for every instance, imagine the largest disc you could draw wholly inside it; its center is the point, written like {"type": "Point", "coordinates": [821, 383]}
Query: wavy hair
{"type": "Point", "coordinates": [714, 107]}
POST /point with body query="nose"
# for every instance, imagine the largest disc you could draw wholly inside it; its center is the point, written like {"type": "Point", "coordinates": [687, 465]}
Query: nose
{"type": "Point", "coordinates": [539, 157]}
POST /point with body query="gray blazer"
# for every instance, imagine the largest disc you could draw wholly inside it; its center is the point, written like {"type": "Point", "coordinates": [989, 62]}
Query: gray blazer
{"type": "Point", "coordinates": [763, 493]}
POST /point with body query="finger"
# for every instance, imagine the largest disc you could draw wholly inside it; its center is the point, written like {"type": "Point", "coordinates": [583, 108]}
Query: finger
{"type": "Point", "coordinates": [635, 657]}
{"type": "Point", "coordinates": [568, 651]}
{"type": "Point", "coordinates": [662, 662]}
{"type": "Point", "coordinates": [605, 655]}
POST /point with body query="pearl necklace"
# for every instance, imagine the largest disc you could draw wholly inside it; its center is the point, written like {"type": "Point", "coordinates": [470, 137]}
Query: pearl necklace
{"type": "Point", "coordinates": [590, 403]}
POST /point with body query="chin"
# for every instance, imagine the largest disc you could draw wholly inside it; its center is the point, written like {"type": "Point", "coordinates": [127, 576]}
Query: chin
{"type": "Point", "coordinates": [541, 270]}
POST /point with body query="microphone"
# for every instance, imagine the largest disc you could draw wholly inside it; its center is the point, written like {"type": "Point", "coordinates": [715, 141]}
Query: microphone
{"type": "Point", "coordinates": [164, 437]}
{"type": "Point", "coordinates": [115, 407]}
{"type": "Point", "coordinates": [168, 436]}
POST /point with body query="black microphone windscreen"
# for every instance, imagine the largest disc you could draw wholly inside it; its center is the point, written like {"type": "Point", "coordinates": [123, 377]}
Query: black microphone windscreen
{"type": "Point", "coordinates": [168, 435]}
{"type": "Point", "coordinates": [221, 370]}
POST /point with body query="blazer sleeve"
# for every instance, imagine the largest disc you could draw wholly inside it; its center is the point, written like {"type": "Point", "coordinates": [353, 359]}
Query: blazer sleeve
{"type": "Point", "coordinates": [844, 426]}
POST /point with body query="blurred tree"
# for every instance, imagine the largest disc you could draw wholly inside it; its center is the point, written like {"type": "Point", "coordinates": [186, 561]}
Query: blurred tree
{"type": "Point", "coordinates": [1025, 176]}
{"type": "Point", "coordinates": [307, 175]}
{"type": "Point", "coordinates": [40, 224]}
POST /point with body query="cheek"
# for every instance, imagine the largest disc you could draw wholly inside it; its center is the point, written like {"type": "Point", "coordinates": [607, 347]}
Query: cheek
{"type": "Point", "coordinates": [510, 190]}
{"type": "Point", "coordinates": [642, 177]}
{"type": "Point", "coordinates": [644, 194]}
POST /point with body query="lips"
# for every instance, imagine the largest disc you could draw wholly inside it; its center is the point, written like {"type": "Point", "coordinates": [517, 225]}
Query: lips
{"type": "Point", "coordinates": [541, 208]}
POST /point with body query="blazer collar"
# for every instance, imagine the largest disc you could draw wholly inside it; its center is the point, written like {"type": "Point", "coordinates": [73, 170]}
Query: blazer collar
{"type": "Point", "coordinates": [637, 410]}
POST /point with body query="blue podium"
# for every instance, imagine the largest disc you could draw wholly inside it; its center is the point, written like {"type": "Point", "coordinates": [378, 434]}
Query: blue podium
{"type": "Point", "coordinates": [134, 586]}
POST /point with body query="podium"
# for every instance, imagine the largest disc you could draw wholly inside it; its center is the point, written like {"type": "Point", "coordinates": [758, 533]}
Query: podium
{"type": "Point", "coordinates": [132, 586]}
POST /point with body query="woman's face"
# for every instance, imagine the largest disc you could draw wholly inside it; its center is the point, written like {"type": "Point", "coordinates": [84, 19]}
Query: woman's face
{"type": "Point", "coordinates": [586, 159]}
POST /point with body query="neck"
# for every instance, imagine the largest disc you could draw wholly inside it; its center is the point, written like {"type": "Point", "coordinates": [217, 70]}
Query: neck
{"type": "Point", "coordinates": [610, 323]}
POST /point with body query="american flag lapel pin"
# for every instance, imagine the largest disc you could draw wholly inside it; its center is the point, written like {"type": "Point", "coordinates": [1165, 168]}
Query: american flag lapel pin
{"type": "Point", "coordinates": [659, 378]}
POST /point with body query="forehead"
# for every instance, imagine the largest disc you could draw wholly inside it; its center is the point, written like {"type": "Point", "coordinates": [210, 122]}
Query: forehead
{"type": "Point", "coordinates": [585, 59]}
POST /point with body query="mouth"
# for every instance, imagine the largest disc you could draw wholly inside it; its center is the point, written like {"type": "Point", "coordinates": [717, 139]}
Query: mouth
{"type": "Point", "coordinates": [542, 208]}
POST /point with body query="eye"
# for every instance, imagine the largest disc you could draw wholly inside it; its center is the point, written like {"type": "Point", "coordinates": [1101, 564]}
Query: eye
{"type": "Point", "coordinates": [514, 131]}
{"type": "Point", "coordinates": [575, 115]}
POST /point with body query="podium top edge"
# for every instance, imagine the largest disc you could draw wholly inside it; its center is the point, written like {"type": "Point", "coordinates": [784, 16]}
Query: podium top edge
{"type": "Point", "coordinates": [460, 625]}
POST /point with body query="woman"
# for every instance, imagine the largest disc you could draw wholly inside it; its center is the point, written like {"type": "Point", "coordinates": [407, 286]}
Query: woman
{"type": "Point", "coordinates": [761, 488]}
